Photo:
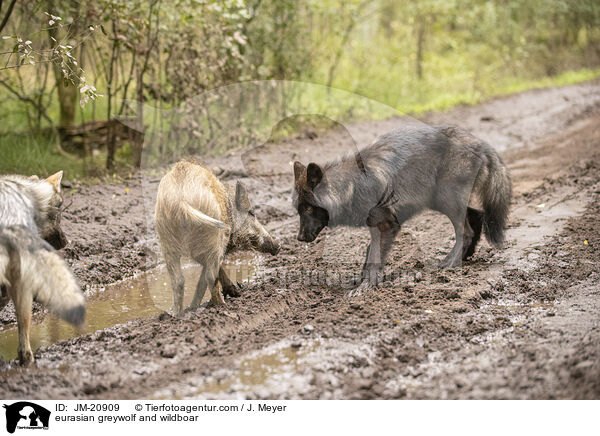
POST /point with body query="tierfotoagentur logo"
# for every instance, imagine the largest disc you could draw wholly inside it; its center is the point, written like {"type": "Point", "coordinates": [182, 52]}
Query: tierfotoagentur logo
{"type": "Point", "coordinates": [24, 415]}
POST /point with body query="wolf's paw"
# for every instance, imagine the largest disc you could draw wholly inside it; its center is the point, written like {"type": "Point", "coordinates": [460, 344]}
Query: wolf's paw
{"type": "Point", "coordinates": [175, 311]}
{"type": "Point", "coordinates": [450, 262]}
{"type": "Point", "coordinates": [26, 357]}
{"type": "Point", "coordinates": [360, 290]}
{"type": "Point", "coordinates": [356, 280]}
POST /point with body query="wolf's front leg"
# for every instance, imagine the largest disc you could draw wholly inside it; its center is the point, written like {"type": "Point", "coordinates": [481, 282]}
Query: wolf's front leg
{"type": "Point", "coordinates": [382, 238]}
{"type": "Point", "coordinates": [358, 279]}
{"type": "Point", "coordinates": [23, 310]}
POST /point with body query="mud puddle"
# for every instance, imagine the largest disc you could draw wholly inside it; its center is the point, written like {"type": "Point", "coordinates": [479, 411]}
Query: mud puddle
{"type": "Point", "coordinates": [272, 365]}
{"type": "Point", "coordinates": [286, 367]}
{"type": "Point", "coordinates": [142, 296]}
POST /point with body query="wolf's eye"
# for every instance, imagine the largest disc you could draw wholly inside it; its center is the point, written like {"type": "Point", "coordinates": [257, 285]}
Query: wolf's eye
{"type": "Point", "coordinates": [251, 213]}
{"type": "Point", "coordinates": [309, 209]}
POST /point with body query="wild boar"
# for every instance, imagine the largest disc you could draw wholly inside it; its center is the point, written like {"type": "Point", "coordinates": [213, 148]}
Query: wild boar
{"type": "Point", "coordinates": [200, 218]}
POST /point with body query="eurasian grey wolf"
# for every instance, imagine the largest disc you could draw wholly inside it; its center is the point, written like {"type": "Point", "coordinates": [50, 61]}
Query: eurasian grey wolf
{"type": "Point", "coordinates": [30, 269]}
{"type": "Point", "coordinates": [402, 173]}
{"type": "Point", "coordinates": [199, 217]}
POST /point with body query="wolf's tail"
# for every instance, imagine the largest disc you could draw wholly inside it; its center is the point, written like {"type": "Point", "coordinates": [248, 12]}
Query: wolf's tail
{"type": "Point", "coordinates": [29, 264]}
{"type": "Point", "coordinates": [495, 189]}
{"type": "Point", "coordinates": [198, 216]}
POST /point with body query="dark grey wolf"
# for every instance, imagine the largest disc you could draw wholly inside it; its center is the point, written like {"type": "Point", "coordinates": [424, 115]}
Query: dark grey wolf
{"type": "Point", "coordinates": [30, 269]}
{"type": "Point", "coordinates": [198, 217]}
{"type": "Point", "coordinates": [403, 172]}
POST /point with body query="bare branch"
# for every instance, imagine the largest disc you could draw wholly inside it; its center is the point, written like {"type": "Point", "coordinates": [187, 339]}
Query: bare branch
{"type": "Point", "coordinates": [7, 15]}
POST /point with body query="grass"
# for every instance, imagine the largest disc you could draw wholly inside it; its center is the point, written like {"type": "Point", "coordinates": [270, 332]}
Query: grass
{"type": "Point", "coordinates": [503, 87]}
{"type": "Point", "coordinates": [37, 153]}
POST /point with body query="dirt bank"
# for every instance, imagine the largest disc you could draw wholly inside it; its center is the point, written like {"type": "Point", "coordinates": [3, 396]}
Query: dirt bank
{"type": "Point", "coordinates": [516, 323]}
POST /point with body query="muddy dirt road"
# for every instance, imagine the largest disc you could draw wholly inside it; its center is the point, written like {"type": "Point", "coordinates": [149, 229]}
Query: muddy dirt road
{"type": "Point", "coordinates": [523, 322]}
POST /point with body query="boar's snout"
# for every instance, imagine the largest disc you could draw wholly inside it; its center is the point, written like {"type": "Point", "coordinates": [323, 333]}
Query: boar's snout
{"type": "Point", "coordinates": [57, 239]}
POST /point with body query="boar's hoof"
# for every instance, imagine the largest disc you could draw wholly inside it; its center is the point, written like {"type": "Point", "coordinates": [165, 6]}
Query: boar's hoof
{"type": "Point", "coordinates": [216, 299]}
{"type": "Point", "coordinates": [234, 290]}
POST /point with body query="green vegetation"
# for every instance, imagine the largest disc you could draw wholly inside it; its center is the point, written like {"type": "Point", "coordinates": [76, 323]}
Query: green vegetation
{"type": "Point", "coordinates": [35, 154]}
{"type": "Point", "coordinates": [216, 75]}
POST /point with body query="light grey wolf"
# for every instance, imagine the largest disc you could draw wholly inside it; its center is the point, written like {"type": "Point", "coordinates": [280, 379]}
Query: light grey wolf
{"type": "Point", "coordinates": [30, 269]}
{"type": "Point", "coordinates": [200, 218]}
{"type": "Point", "coordinates": [402, 173]}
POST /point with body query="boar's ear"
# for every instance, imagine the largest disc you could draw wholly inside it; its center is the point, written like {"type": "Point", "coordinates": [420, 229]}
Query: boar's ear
{"type": "Point", "coordinates": [55, 180]}
{"type": "Point", "coordinates": [314, 175]}
{"type": "Point", "coordinates": [241, 197]}
{"type": "Point", "coordinates": [298, 170]}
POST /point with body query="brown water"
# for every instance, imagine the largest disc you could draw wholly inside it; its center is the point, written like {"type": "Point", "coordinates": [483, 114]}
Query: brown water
{"type": "Point", "coordinates": [278, 363]}
{"type": "Point", "coordinates": [256, 370]}
{"type": "Point", "coordinates": [142, 296]}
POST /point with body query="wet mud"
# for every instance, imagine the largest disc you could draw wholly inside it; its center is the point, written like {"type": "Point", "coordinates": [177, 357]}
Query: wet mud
{"type": "Point", "coordinates": [521, 322]}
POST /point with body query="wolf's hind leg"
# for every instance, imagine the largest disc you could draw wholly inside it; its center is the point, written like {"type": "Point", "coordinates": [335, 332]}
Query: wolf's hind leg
{"type": "Point", "coordinates": [4, 298]}
{"type": "Point", "coordinates": [453, 200]}
{"type": "Point", "coordinates": [473, 226]}
{"type": "Point", "coordinates": [454, 258]}
{"type": "Point", "coordinates": [177, 282]}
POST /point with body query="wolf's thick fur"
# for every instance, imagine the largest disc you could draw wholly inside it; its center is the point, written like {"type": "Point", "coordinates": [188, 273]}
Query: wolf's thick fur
{"type": "Point", "coordinates": [33, 203]}
{"type": "Point", "coordinates": [30, 269]}
{"type": "Point", "coordinates": [399, 175]}
{"type": "Point", "coordinates": [198, 217]}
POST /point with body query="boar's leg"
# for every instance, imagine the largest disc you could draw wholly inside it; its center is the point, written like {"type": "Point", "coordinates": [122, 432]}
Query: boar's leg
{"type": "Point", "coordinates": [177, 282]}
{"type": "Point", "coordinates": [229, 288]}
{"type": "Point", "coordinates": [207, 280]}
{"type": "Point", "coordinates": [216, 296]}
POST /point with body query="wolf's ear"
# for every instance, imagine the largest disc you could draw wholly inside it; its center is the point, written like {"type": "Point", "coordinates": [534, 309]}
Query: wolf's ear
{"type": "Point", "coordinates": [241, 197]}
{"type": "Point", "coordinates": [298, 170]}
{"type": "Point", "coordinates": [314, 175]}
{"type": "Point", "coordinates": [55, 180]}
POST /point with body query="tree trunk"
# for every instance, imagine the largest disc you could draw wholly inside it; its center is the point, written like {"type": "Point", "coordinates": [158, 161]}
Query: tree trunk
{"type": "Point", "coordinates": [111, 143]}
{"type": "Point", "coordinates": [420, 36]}
{"type": "Point", "coordinates": [68, 97]}
{"type": "Point", "coordinates": [67, 85]}
{"type": "Point", "coordinates": [138, 142]}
